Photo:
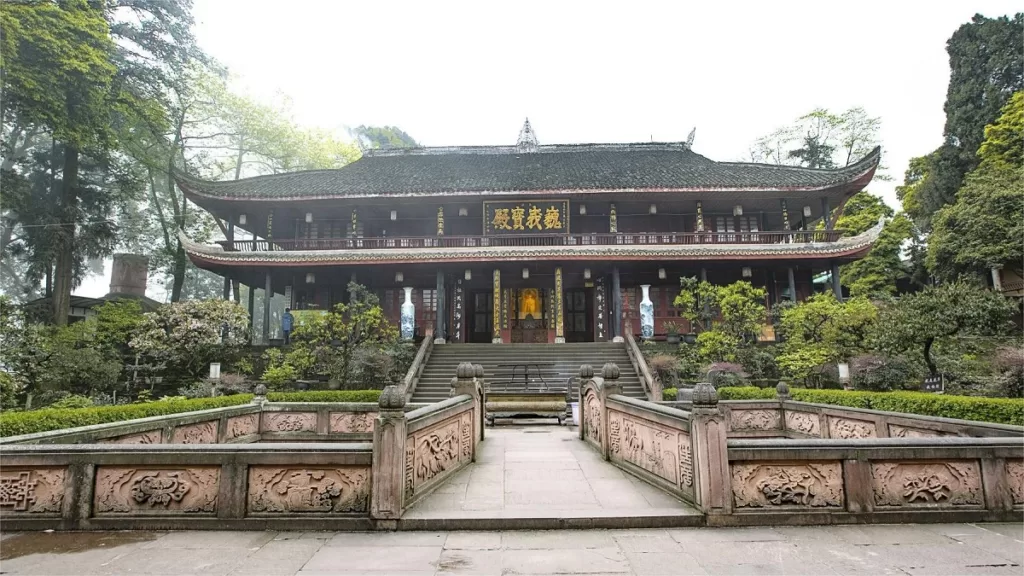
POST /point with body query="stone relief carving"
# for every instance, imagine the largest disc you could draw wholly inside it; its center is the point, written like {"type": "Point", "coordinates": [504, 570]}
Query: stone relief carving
{"type": "Point", "coordinates": [956, 483]}
{"type": "Point", "coordinates": [289, 422]}
{"type": "Point", "coordinates": [243, 425]}
{"type": "Point", "coordinates": [467, 439]}
{"type": "Point", "coordinates": [148, 437]}
{"type": "Point", "coordinates": [592, 417]}
{"type": "Point", "coordinates": [651, 447]}
{"type": "Point", "coordinates": [328, 490]}
{"type": "Point", "coordinates": [1015, 479]}
{"type": "Point", "coordinates": [201, 433]}
{"type": "Point", "coordinates": [441, 448]}
{"type": "Point", "coordinates": [896, 431]}
{"type": "Point", "coordinates": [36, 491]}
{"type": "Point", "coordinates": [753, 419]}
{"type": "Point", "coordinates": [410, 465]}
{"type": "Point", "coordinates": [803, 422]}
{"type": "Point", "coordinates": [816, 485]}
{"type": "Point", "coordinates": [156, 491]}
{"type": "Point", "coordinates": [352, 422]}
{"type": "Point", "coordinates": [844, 429]}
{"type": "Point", "coordinates": [614, 432]}
{"type": "Point", "coordinates": [685, 460]}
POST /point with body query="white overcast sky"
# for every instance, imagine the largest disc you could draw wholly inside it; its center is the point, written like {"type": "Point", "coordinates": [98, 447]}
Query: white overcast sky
{"type": "Point", "coordinates": [465, 73]}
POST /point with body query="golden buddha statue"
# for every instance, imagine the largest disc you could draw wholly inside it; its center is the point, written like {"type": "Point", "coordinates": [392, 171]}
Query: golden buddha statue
{"type": "Point", "coordinates": [529, 304]}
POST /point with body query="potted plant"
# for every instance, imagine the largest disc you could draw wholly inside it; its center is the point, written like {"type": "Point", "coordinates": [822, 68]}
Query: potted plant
{"type": "Point", "coordinates": [672, 332]}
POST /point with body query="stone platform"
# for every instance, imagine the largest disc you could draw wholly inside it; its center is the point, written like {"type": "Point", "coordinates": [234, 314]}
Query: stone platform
{"type": "Point", "coordinates": [544, 477]}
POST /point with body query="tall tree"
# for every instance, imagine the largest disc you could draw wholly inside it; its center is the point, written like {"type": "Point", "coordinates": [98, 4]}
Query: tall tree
{"type": "Point", "coordinates": [382, 137]}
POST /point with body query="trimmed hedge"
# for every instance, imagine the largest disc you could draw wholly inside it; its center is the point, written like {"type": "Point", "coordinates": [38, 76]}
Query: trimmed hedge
{"type": "Point", "coordinates": [46, 419]}
{"type": "Point", "coordinates": [326, 396]}
{"type": "Point", "coordinates": [997, 410]}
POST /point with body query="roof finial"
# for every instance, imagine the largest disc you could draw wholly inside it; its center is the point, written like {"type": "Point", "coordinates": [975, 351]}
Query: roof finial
{"type": "Point", "coordinates": [689, 139]}
{"type": "Point", "coordinates": [527, 138]}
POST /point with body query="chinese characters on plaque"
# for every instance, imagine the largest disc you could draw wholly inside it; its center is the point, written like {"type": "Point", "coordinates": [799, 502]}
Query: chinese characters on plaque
{"type": "Point", "coordinates": [534, 217]}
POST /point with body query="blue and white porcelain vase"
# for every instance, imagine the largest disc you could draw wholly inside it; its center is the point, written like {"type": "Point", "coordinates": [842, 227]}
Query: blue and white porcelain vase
{"type": "Point", "coordinates": [646, 313]}
{"type": "Point", "coordinates": [408, 315]}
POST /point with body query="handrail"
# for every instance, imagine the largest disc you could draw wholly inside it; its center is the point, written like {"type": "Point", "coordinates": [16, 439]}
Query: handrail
{"type": "Point", "coordinates": [519, 240]}
{"type": "Point", "coordinates": [652, 387]}
{"type": "Point", "coordinates": [412, 376]}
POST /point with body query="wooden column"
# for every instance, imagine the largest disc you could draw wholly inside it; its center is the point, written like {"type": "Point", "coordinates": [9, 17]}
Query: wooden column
{"type": "Point", "coordinates": [268, 292]}
{"type": "Point", "coordinates": [496, 305]}
{"type": "Point", "coordinates": [252, 304]}
{"type": "Point", "coordinates": [616, 306]}
{"type": "Point", "coordinates": [792, 284]}
{"type": "Point", "coordinates": [826, 214]}
{"type": "Point", "coordinates": [230, 237]}
{"type": "Point", "coordinates": [559, 308]}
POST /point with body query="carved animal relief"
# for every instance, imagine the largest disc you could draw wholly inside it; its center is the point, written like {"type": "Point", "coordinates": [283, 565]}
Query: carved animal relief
{"type": "Point", "coordinates": [896, 431]}
{"type": "Point", "coordinates": [149, 437]}
{"type": "Point", "coordinates": [244, 425]}
{"type": "Point", "coordinates": [202, 433]}
{"type": "Point", "coordinates": [651, 447]}
{"type": "Point", "coordinates": [1015, 479]}
{"type": "Point", "coordinates": [442, 448]}
{"type": "Point", "coordinates": [845, 429]}
{"type": "Point", "coordinates": [289, 422]}
{"type": "Point", "coordinates": [754, 419]}
{"type": "Point", "coordinates": [592, 418]}
{"type": "Point", "coordinates": [330, 490]}
{"type": "Point", "coordinates": [352, 422]}
{"type": "Point", "coordinates": [935, 484]}
{"type": "Point", "coordinates": [817, 485]}
{"type": "Point", "coordinates": [803, 422]}
{"type": "Point", "coordinates": [37, 491]}
{"type": "Point", "coordinates": [145, 491]}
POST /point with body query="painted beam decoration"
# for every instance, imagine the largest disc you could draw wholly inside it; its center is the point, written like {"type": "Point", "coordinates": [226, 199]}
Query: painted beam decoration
{"type": "Point", "coordinates": [527, 217]}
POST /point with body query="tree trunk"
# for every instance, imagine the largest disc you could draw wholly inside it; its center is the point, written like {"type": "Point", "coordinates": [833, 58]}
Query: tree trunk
{"type": "Point", "coordinates": [932, 369]}
{"type": "Point", "coordinates": [180, 265]}
{"type": "Point", "coordinates": [64, 269]}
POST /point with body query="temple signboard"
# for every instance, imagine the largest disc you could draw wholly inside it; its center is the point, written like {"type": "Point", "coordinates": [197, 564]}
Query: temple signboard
{"type": "Point", "coordinates": [527, 217]}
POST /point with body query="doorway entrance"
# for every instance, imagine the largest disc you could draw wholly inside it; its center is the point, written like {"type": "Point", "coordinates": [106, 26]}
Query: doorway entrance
{"type": "Point", "coordinates": [579, 324]}
{"type": "Point", "coordinates": [481, 317]}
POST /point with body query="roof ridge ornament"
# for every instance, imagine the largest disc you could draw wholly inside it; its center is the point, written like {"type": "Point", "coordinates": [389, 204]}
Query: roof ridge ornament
{"type": "Point", "coordinates": [689, 139]}
{"type": "Point", "coordinates": [527, 138]}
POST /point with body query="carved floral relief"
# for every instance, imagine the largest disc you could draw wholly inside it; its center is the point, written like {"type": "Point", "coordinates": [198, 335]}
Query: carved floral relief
{"type": "Point", "coordinates": [352, 422]}
{"type": "Point", "coordinates": [845, 429]}
{"type": "Point", "coordinates": [326, 490]}
{"type": "Point", "coordinates": [818, 485]}
{"type": "Point", "coordinates": [148, 437]}
{"type": "Point", "coordinates": [754, 419]}
{"type": "Point", "coordinates": [244, 425]}
{"type": "Point", "coordinates": [1015, 480]}
{"type": "Point", "coordinates": [440, 449]}
{"type": "Point", "coordinates": [803, 422]}
{"type": "Point", "coordinates": [927, 484]}
{"type": "Point", "coordinates": [289, 421]}
{"type": "Point", "coordinates": [201, 433]}
{"type": "Point", "coordinates": [896, 431]}
{"type": "Point", "coordinates": [145, 491]}
{"type": "Point", "coordinates": [38, 491]}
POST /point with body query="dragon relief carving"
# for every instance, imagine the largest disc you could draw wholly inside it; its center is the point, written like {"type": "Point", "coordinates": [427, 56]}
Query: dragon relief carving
{"type": "Point", "coordinates": [929, 484]}
{"type": "Point", "coordinates": [352, 422]}
{"type": "Point", "coordinates": [592, 417]}
{"type": "Point", "coordinates": [818, 485]}
{"type": "Point", "coordinates": [1015, 479]}
{"type": "Point", "coordinates": [328, 490]}
{"type": "Point", "coordinates": [148, 437]}
{"type": "Point", "coordinates": [754, 419]}
{"type": "Point", "coordinates": [145, 491]}
{"type": "Point", "coordinates": [651, 448]}
{"type": "Point", "coordinates": [243, 425]}
{"type": "Point", "coordinates": [289, 421]}
{"type": "Point", "coordinates": [35, 491]}
{"type": "Point", "coordinates": [803, 422]}
{"type": "Point", "coordinates": [202, 433]}
{"type": "Point", "coordinates": [845, 429]}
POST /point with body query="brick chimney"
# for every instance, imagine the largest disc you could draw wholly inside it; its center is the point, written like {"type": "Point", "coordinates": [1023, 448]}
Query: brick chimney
{"type": "Point", "coordinates": [129, 274]}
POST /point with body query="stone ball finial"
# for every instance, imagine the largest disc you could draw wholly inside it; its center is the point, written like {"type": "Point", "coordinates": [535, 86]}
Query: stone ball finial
{"type": "Point", "coordinates": [391, 398]}
{"type": "Point", "coordinates": [782, 390]}
{"type": "Point", "coordinates": [465, 370]}
{"type": "Point", "coordinates": [586, 371]}
{"type": "Point", "coordinates": [478, 370]}
{"type": "Point", "coordinates": [705, 395]}
{"type": "Point", "coordinates": [610, 371]}
{"type": "Point", "coordinates": [260, 390]}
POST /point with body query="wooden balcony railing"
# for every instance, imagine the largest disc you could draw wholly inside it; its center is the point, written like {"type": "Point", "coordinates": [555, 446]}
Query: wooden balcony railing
{"type": "Point", "coordinates": [521, 240]}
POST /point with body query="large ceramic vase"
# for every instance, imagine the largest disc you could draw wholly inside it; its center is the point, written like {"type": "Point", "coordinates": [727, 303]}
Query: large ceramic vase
{"type": "Point", "coordinates": [408, 315]}
{"type": "Point", "coordinates": [646, 313]}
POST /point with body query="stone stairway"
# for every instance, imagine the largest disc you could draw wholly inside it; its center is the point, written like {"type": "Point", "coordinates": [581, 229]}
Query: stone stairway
{"type": "Point", "coordinates": [435, 381]}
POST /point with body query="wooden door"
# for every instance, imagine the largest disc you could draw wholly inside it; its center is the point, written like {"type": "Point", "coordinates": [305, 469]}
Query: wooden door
{"type": "Point", "coordinates": [481, 317]}
{"type": "Point", "coordinates": [579, 325]}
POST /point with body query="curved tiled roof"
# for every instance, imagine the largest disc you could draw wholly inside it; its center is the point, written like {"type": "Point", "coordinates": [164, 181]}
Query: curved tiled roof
{"type": "Point", "coordinates": [844, 247]}
{"type": "Point", "coordinates": [506, 170]}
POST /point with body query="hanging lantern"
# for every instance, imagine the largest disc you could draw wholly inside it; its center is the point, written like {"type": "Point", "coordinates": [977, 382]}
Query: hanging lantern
{"type": "Point", "coordinates": [661, 274]}
{"type": "Point", "coordinates": [586, 273]}
{"type": "Point", "coordinates": [468, 275]}
{"type": "Point", "coordinates": [526, 273]}
{"type": "Point", "coordinates": [737, 210]}
{"type": "Point", "coordinates": [310, 278]}
{"type": "Point", "coordinates": [394, 214]}
{"type": "Point", "coordinates": [463, 211]}
{"type": "Point", "coordinates": [241, 219]}
{"type": "Point", "coordinates": [399, 277]}
{"type": "Point", "coordinates": [309, 217]}
{"type": "Point", "coordinates": [653, 209]}
{"type": "Point", "coordinates": [807, 211]}
{"type": "Point", "coordinates": [747, 273]}
{"type": "Point", "coordinates": [583, 209]}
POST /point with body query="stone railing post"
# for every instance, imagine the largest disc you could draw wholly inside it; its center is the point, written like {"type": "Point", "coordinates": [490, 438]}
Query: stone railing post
{"type": "Point", "coordinates": [465, 382]}
{"type": "Point", "coordinates": [388, 472]}
{"type": "Point", "coordinates": [609, 385]}
{"type": "Point", "coordinates": [478, 375]}
{"type": "Point", "coordinates": [710, 454]}
{"type": "Point", "coordinates": [586, 374]}
{"type": "Point", "coordinates": [259, 394]}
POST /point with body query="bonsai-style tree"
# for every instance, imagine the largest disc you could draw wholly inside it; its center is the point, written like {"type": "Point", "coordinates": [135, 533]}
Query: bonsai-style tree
{"type": "Point", "coordinates": [822, 331]}
{"type": "Point", "coordinates": [725, 317]}
{"type": "Point", "coordinates": [916, 321]}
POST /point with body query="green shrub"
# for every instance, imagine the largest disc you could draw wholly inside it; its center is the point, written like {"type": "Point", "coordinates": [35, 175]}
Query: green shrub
{"type": "Point", "coordinates": [16, 423]}
{"type": "Point", "coordinates": [669, 394]}
{"type": "Point", "coordinates": [326, 396]}
{"type": "Point", "coordinates": [72, 401]}
{"type": "Point", "coordinates": [997, 410]}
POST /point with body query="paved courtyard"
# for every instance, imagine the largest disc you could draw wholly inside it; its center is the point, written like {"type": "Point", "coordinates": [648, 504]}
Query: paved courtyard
{"type": "Point", "coordinates": [543, 471]}
{"type": "Point", "coordinates": [872, 550]}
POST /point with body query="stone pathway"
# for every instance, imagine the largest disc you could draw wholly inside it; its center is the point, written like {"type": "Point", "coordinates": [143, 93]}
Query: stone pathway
{"type": "Point", "coordinates": [543, 471]}
{"type": "Point", "coordinates": [869, 550]}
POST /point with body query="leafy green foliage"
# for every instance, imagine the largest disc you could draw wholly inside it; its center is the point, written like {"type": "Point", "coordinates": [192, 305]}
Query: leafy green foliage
{"type": "Point", "coordinates": [16, 423]}
{"type": "Point", "coordinates": [822, 331]}
{"type": "Point", "coordinates": [382, 137]}
{"type": "Point", "coordinates": [735, 312]}
{"type": "Point", "coordinates": [717, 346]}
{"type": "Point", "coordinates": [882, 373]}
{"type": "Point", "coordinates": [326, 396]}
{"type": "Point", "coordinates": [997, 410]}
